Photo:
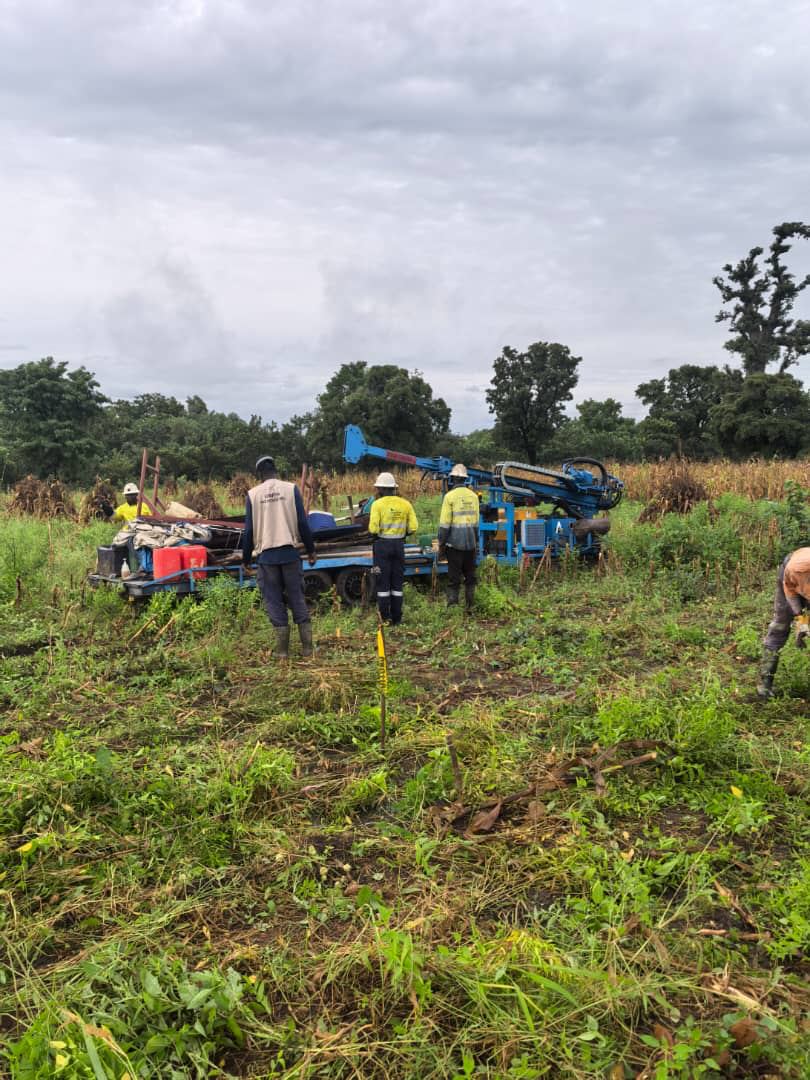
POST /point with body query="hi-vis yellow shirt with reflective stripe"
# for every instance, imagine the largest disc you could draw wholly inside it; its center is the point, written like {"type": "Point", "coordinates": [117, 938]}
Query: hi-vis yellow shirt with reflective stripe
{"type": "Point", "coordinates": [392, 518]}
{"type": "Point", "coordinates": [458, 522]}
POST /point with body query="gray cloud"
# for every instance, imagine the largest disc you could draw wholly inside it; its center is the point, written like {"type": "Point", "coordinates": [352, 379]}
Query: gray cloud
{"type": "Point", "coordinates": [234, 198]}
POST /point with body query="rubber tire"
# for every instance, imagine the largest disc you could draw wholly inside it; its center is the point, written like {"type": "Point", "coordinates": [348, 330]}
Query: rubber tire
{"type": "Point", "coordinates": [316, 583]}
{"type": "Point", "coordinates": [349, 584]}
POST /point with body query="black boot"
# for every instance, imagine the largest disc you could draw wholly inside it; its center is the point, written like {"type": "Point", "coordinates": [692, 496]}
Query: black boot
{"type": "Point", "coordinates": [396, 608]}
{"type": "Point", "coordinates": [767, 670]}
{"type": "Point", "coordinates": [305, 630]}
{"type": "Point", "coordinates": [469, 595]}
{"type": "Point", "coordinates": [384, 607]}
{"type": "Point", "coordinates": [282, 642]}
{"type": "Point", "coordinates": [452, 595]}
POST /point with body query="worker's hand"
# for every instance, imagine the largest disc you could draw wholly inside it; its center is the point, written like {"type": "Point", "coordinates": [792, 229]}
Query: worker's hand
{"type": "Point", "coordinates": [802, 627]}
{"type": "Point", "coordinates": [442, 552]}
{"type": "Point", "coordinates": [312, 558]}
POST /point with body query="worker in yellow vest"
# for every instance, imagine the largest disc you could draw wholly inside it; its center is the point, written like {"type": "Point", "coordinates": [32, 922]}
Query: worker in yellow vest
{"type": "Point", "coordinates": [392, 518]}
{"type": "Point", "coordinates": [458, 535]}
{"type": "Point", "coordinates": [128, 510]}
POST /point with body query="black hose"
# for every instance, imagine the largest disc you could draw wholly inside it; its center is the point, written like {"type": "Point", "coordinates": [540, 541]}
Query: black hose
{"type": "Point", "coordinates": [590, 461]}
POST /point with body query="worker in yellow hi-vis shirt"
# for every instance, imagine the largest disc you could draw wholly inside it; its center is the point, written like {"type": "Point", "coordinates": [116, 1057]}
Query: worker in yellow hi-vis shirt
{"type": "Point", "coordinates": [128, 510]}
{"type": "Point", "coordinates": [458, 536]}
{"type": "Point", "coordinates": [392, 518]}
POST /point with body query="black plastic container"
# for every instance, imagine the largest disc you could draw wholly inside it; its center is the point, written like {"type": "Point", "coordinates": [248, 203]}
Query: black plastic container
{"type": "Point", "coordinates": [109, 561]}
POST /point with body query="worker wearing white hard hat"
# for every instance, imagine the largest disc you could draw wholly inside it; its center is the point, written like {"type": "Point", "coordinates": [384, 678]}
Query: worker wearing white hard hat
{"type": "Point", "coordinates": [128, 510]}
{"type": "Point", "coordinates": [392, 518]}
{"type": "Point", "coordinates": [458, 535]}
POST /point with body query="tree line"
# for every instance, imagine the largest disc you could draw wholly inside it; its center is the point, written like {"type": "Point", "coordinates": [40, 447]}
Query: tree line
{"type": "Point", "coordinates": [57, 422]}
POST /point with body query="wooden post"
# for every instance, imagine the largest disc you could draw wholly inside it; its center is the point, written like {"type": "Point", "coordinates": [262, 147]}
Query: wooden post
{"type": "Point", "coordinates": [141, 483]}
{"type": "Point", "coordinates": [157, 481]}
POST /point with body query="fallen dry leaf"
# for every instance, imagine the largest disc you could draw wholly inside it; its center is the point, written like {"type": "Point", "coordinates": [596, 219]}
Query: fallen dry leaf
{"type": "Point", "coordinates": [535, 812]}
{"type": "Point", "coordinates": [722, 1057]}
{"type": "Point", "coordinates": [723, 989]}
{"type": "Point", "coordinates": [744, 1032]}
{"type": "Point", "coordinates": [484, 820]}
{"type": "Point", "coordinates": [664, 1035]}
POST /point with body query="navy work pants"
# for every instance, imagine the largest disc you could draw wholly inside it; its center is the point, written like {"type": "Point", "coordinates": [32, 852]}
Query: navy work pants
{"type": "Point", "coordinates": [282, 586]}
{"type": "Point", "coordinates": [389, 561]}
{"type": "Point", "coordinates": [461, 563]}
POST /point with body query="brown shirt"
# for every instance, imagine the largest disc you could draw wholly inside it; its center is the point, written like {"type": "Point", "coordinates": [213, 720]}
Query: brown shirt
{"type": "Point", "coordinates": [797, 578]}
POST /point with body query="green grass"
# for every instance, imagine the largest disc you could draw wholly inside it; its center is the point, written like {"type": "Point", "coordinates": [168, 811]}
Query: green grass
{"type": "Point", "coordinates": [210, 866]}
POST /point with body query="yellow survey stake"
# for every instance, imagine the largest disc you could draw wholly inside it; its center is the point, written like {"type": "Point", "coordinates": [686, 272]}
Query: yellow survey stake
{"type": "Point", "coordinates": [382, 666]}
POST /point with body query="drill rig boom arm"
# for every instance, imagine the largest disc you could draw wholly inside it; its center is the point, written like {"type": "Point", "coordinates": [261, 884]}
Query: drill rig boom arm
{"type": "Point", "coordinates": [575, 490]}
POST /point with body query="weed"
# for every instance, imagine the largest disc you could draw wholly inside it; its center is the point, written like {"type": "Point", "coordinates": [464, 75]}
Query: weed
{"type": "Point", "coordinates": [210, 866]}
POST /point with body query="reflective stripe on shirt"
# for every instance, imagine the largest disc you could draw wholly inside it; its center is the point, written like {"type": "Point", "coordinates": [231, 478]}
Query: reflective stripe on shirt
{"type": "Point", "coordinates": [458, 523]}
{"type": "Point", "coordinates": [392, 518]}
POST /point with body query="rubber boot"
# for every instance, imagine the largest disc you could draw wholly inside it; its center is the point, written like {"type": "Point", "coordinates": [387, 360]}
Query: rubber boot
{"type": "Point", "coordinates": [767, 670]}
{"type": "Point", "coordinates": [452, 595]}
{"type": "Point", "coordinates": [396, 609]}
{"type": "Point", "coordinates": [384, 607]}
{"type": "Point", "coordinates": [282, 642]}
{"type": "Point", "coordinates": [305, 631]}
{"type": "Point", "coordinates": [469, 595]}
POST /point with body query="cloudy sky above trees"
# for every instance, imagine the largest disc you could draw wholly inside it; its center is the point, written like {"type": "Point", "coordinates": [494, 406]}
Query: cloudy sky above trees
{"type": "Point", "coordinates": [233, 197]}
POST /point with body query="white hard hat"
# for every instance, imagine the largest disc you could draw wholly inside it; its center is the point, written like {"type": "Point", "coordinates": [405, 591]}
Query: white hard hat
{"type": "Point", "coordinates": [131, 489]}
{"type": "Point", "coordinates": [459, 470]}
{"type": "Point", "coordinates": [385, 480]}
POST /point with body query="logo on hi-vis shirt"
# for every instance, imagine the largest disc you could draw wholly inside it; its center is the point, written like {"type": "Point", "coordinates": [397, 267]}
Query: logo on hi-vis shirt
{"type": "Point", "coordinates": [272, 497]}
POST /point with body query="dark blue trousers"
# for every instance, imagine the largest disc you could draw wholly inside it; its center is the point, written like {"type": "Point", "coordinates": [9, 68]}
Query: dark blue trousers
{"type": "Point", "coordinates": [389, 560]}
{"type": "Point", "coordinates": [281, 587]}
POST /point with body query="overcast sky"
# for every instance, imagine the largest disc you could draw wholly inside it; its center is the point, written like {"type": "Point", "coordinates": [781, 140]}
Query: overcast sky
{"type": "Point", "coordinates": [233, 197]}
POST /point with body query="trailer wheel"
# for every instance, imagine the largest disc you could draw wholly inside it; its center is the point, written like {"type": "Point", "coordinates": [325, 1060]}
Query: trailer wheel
{"type": "Point", "coordinates": [316, 583]}
{"type": "Point", "coordinates": [349, 584]}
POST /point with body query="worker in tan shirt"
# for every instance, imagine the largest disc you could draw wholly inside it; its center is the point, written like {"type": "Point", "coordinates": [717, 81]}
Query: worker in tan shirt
{"type": "Point", "coordinates": [790, 602]}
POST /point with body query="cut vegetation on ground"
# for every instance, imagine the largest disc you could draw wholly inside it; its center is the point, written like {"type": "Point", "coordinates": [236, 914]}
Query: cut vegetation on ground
{"type": "Point", "coordinates": [583, 851]}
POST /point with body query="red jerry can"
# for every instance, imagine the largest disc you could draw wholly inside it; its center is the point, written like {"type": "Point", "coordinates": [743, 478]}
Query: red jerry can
{"type": "Point", "coordinates": [194, 555]}
{"type": "Point", "coordinates": [166, 562]}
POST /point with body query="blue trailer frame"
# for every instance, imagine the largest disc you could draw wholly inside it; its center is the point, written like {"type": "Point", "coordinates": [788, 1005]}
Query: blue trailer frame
{"type": "Point", "coordinates": [574, 493]}
{"type": "Point", "coordinates": [420, 563]}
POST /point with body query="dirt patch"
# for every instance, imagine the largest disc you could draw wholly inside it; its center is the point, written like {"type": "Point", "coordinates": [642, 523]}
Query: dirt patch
{"type": "Point", "coordinates": [454, 687]}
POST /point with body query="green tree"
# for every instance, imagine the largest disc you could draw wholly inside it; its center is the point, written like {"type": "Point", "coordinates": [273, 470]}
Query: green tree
{"type": "Point", "coordinates": [770, 415]}
{"type": "Point", "coordinates": [479, 448]}
{"type": "Point", "coordinates": [49, 419]}
{"type": "Point", "coordinates": [758, 302]}
{"type": "Point", "coordinates": [192, 440]}
{"type": "Point", "coordinates": [598, 431]}
{"type": "Point", "coordinates": [395, 408]}
{"type": "Point", "coordinates": [527, 395]}
{"type": "Point", "coordinates": [680, 407]}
